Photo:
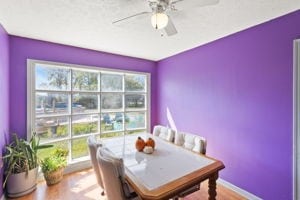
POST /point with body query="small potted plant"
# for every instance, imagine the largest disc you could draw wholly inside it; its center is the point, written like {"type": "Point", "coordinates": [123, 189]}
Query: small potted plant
{"type": "Point", "coordinates": [21, 165]}
{"type": "Point", "coordinates": [54, 165]}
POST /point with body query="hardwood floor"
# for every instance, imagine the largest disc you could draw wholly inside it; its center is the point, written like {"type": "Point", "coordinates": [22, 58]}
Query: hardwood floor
{"type": "Point", "coordinates": [83, 186]}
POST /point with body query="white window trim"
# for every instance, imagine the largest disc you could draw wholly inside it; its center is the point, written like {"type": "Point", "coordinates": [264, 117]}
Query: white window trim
{"type": "Point", "coordinates": [296, 121]}
{"type": "Point", "coordinates": [31, 99]}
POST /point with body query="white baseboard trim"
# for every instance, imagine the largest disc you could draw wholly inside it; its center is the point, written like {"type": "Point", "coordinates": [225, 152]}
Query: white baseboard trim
{"type": "Point", "coordinates": [238, 190]}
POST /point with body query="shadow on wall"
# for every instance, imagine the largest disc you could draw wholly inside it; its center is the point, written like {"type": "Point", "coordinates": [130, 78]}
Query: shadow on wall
{"type": "Point", "coordinates": [171, 120]}
{"type": "Point", "coordinates": [3, 143]}
{"type": "Point", "coordinates": [6, 142]}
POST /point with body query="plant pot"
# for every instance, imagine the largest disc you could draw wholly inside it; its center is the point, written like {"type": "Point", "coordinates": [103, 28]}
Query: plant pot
{"type": "Point", "coordinates": [54, 176]}
{"type": "Point", "coordinates": [22, 183]}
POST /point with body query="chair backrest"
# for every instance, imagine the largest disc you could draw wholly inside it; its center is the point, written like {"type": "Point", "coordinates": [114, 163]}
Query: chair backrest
{"type": "Point", "coordinates": [190, 141]}
{"type": "Point", "coordinates": [164, 133]}
{"type": "Point", "coordinates": [113, 174]}
{"type": "Point", "coordinates": [93, 146]}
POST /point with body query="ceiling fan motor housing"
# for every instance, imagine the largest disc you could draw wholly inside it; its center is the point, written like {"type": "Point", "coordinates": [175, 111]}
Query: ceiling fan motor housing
{"type": "Point", "coordinates": [159, 6]}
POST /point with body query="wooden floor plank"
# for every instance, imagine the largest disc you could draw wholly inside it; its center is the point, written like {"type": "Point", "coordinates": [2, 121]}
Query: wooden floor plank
{"type": "Point", "coordinates": [83, 186]}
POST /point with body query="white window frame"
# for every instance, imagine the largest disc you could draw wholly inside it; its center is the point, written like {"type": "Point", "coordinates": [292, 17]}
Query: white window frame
{"type": "Point", "coordinates": [81, 163]}
{"type": "Point", "coordinates": [296, 121]}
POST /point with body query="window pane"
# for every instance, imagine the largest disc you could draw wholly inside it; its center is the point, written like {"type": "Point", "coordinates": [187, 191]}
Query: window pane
{"type": "Point", "coordinates": [84, 81]}
{"type": "Point", "coordinates": [135, 132]}
{"type": "Point", "coordinates": [135, 120]}
{"type": "Point", "coordinates": [79, 148]}
{"type": "Point", "coordinates": [84, 103]}
{"type": "Point", "coordinates": [114, 134]}
{"type": "Point", "coordinates": [135, 101]}
{"type": "Point", "coordinates": [135, 83]}
{"type": "Point", "coordinates": [111, 83]}
{"type": "Point", "coordinates": [52, 128]}
{"type": "Point", "coordinates": [50, 103]}
{"type": "Point", "coordinates": [111, 122]}
{"type": "Point", "coordinates": [51, 78]}
{"type": "Point", "coordinates": [42, 153]}
{"type": "Point", "coordinates": [84, 124]}
{"type": "Point", "coordinates": [111, 101]}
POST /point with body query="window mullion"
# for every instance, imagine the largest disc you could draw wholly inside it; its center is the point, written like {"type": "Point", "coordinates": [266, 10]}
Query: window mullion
{"type": "Point", "coordinates": [123, 103]}
{"type": "Point", "coordinates": [70, 115]}
{"type": "Point", "coordinates": [99, 104]}
{"type": "Point", "coordinates": [148, 102]}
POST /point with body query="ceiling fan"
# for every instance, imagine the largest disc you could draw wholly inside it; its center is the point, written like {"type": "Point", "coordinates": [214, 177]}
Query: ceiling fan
{"type": "Point", "coordinates": [160, 10]}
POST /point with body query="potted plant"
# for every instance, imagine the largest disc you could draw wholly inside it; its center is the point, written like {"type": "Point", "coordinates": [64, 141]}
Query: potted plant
{"type": "Point", "coordinates": [54, 165]}
{"type": "Point", "coordinates": [21, 165]}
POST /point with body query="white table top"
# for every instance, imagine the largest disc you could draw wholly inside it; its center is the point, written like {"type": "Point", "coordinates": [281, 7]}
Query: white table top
{"type": "Point", "coordinates": [167, 163]}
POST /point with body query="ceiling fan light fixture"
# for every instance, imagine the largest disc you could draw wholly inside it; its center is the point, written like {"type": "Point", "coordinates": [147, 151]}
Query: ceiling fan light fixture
{"type": "Point", "coordinates": [159, 20]}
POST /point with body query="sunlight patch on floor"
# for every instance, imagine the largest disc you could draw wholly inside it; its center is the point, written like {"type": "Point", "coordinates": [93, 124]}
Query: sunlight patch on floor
{"type": "Point", "coordinates": [94, 194]}
{"type": "Point", "coordinates": [84, 184]}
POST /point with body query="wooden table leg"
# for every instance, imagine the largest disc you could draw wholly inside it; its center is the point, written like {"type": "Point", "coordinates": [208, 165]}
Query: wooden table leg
{"type": "Point", "coordinates": [212, 185]}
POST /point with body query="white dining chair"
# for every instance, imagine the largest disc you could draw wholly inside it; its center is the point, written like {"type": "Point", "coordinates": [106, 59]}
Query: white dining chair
{"type": "Point", "coordinates": [93, 146]}
{"type": "Point", "coordinates": [194, 143]}
{"type": "Point", "coordinates": [191, 141]}
{"type": "Point", "coordinates": [164, 133]}
{"type": "Point", "coordinates": [113, 174]}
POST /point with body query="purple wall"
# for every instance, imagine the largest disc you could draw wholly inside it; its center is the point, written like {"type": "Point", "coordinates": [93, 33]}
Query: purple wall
{"type": "Point", "coordinates": [4, 100]}
{"type": "Point", "coordinates": [23, 48]}
{"type": "Point", "coordinates": [237, 92]}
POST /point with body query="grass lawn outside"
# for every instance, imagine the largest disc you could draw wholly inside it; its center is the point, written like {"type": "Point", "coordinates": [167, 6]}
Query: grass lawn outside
{"type": "Point", "coordinates": [78, 146]}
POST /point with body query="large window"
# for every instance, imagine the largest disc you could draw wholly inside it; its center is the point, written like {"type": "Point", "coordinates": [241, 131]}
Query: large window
{"type": "Point", "coordinates": [67, 103]}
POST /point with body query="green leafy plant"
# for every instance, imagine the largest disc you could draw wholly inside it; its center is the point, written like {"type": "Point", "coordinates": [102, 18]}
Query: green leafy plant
{"type": "Point", "coordinates": [60, 152]}
{"type": "Point", "coordinates": [21, 155]}
{"type": "Point", "coordinates": [57, 160]}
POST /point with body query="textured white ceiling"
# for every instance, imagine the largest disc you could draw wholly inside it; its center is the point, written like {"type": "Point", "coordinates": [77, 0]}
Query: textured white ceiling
{"type": "Point", "coordinates": [87, 23]}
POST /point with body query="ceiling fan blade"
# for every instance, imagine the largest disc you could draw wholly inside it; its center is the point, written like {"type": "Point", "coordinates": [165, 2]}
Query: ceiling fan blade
{"type": "Point", "coordinates": [186, 4]}
{"type": "Point", "coordinates": [170, 28]}
{"type": "Point", "coordinates": [131, 16]}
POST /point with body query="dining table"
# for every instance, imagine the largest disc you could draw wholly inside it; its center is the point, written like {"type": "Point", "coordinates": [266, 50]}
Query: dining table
{"type": "Point", "coordinates": [167, 172]}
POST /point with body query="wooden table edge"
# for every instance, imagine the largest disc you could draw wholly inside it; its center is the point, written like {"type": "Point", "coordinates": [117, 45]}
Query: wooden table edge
{"type": "Point", "coordinates": [171, 189]}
